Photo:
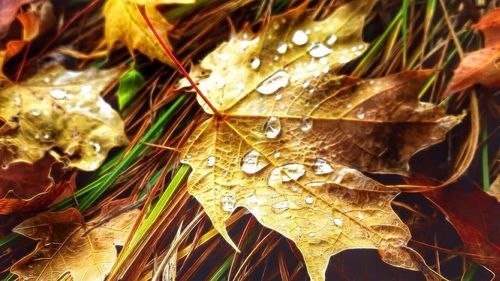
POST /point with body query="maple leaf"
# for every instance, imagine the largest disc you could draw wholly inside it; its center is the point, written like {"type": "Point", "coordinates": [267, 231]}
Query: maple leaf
{"type": "Point", "coordinates": [62, 112]}
{"type": "Point", "coordinates": [125, 24]}
{"type": "Point", "coordinates": [481, 66]}
{"type": "Point", "coordinates": [26, 187]}
{"type": "Point", "coordinates": [67, 245]}
{"type": "Point", "coordinates": [291, 137]}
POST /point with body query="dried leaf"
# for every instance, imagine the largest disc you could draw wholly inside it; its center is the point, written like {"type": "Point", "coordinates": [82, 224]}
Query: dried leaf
{"type": "Point", "coordinates": [35, 22]}
{"type": "Point", "coordinates": [474, 215]}
{"type": "Point", "coordinates": [67, 246]}
{"type": "Point", "coordinates": [27, 187]}
{"type": "Point", "coordinates": [292, 137]}
{"type": "Point", "coordinates": [62, 112]}
{"type": "Point", "coordinates": [482, 66]}
{"type": "Point", "coordinates": [8, 11]}
{"type": "Point", "coordinates": [125, 24]}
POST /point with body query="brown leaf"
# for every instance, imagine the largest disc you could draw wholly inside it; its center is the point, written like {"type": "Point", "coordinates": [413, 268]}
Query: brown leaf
{"type": "Point", "coordinates": [474, 215]}
{"type": "Point", "coordinates": [67, 245]}
{"type": "Point", "coordinates": [292, 137]}
{"type": "Point", "coordinates": [28, 187]}
{"type": "Point", "coordinates": [482, 66]}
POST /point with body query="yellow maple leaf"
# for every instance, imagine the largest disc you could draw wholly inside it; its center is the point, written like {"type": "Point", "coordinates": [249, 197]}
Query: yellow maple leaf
{"type": "Point", "coordinates": [125, 24]}
{"type": "Point", "coordinates": [62, 112]}
{"type": "Point", "coordinates": [68, 246]}
{"type": "Point", "coordinates": [292, 137]}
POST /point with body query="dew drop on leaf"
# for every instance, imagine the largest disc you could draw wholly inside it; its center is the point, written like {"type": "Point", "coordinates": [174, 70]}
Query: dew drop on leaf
{"type": "Point", "coordinates": [318, 50]}
{"type": "Point", "coordinates": [228, 203]}
{"type": "Point", "coordinates": [278, 80]}
{"type": "Point", "coordinates": [255, 63]}
{"type": "Point", "coordinates": [47, 136]}
{"type": "Point", "coordinates": [306, 124]}
{"type": "Point", "coordinates": [211, 161]}
{"type": "Point", "coordinates": [272, 127]}
{"type": "Point", "coordinates": [300, 38]}
{"type": "Point", "coordinates": [253, 162]}
{"type": "Point", "coordinates": [282, 48]}
{"type": "Point", "coordinates": [331, 39]}
{"type": "Point", "coordinates": [309, 199]}
{"type": "Point", "coordinates": [338, 221]}
{"type": "Point", "coordinates": [292, 171]}
{"type": "Point", "coordinates": [58, 94]}
{"type": "Point", "coordinates": [280, 207]}
{"type": "Point", "coordinates": [321, 167]}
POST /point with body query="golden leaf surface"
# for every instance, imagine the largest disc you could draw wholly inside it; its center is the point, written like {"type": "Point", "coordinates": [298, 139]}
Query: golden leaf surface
{"type": "Point", "coordinates": [293, 137]}
{"type": "Point", "coordinates": [67, 245]}
{"type": "Point", "coordinates": [125, 24]}
{"type": "Point", "coordinates": [62, 112]}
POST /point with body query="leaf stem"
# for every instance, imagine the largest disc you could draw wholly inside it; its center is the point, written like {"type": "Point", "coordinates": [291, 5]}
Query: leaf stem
{"type": "Point", "coordinates": [171, 55]}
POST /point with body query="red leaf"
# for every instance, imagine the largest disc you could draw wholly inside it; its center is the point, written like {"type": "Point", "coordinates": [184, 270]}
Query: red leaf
{"type": "Point", "coordinates": [482, 66]}
{"type": "Point", "coordinates": [474, 215]}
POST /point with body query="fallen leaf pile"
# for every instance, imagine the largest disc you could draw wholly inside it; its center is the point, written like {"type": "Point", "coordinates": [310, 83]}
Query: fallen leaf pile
{"type": "Point", "coordinates": [68, 245]}
{"type": "Point", "coordinates": [481, 66]}
{"type": "Point", "coordinates": [292, 137]}
{"type": "Point", "coordinates": [61, 112]}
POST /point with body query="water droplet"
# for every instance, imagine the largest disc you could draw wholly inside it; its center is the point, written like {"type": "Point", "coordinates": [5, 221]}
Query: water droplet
{"type": "Point", "coordinates": [228, 203]}
{"type": "Point", "coordinates": [211, 161]}
{"type": "Point", "coordinates": [277, 154]}
{"type": "Point", "coordinates": [338, 221]}
{"type": "Point", "coordinates": [279, 207]}
{"type": "Point", "coordinates": [35, 112]}
{"type": "Point", "coordinates": [272, 127]}
{"type": "Point", "coordinates": [360, 215]}
{"type": "Point", "coordinates": [282, 47]}
{"type": "Point", "coordinates": [255, 63]}
{"type": "Point", "coordinates": [315, 184]}
{"type": "Point", "coordinates": [253, 162]}
{"type": "Point", "coordinates": [278, 80]}
{"type": "Point", "coordinates": [292, 171]}
{"type": "Point", "coordinates": [319, 50]}
{"type": "Point", "coordinates": [85, 90]}
{"type": "Point", "coordinates": [17, 100]}
{"type": "Point", "coordinates": [306, 84]}
{"type": "Point", "coordinates": [312, 234]}
{"type": "Point", "coordinates": [331, 39]}
{"type": "Point", "coordinates": [240, 87]}
{"type": "Point", "coordinates": [274, 179]}
{"type": "Point", "coordinates": [278, 97]}
{"type": "Point", "coordinates": [306, 124]}
{"type": "Point", "coordinates": [299, 38]}
{"type": "Point", "coordinates": [96, 146]}
{"type": "Point", "coordinates": [58, 94]}
{"type": "Point", "coordinates": [321, 167]}
{"type": "Point", "coordinates": [360, 115]}
{"type": "Point", "coordinates": [47, 136]}
{"type": "Point", "coordinates": [309, 199]}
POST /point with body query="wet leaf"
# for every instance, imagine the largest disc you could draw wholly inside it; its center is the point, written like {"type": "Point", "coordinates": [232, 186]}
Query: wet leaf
{"type": "Point", "coordinates": [293, 136]}
{"type": "Point", "coordinates": [474, 215]}
{"type": "Point", "coordinates": [482, 66]}
{"type": "Point", "coordinates": [60, 111]}
{"type": "Point", "coordinates": [125, 25]}
{"type": "Point", "coordinates": [68, 245]}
